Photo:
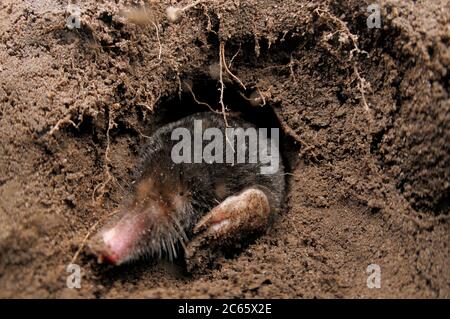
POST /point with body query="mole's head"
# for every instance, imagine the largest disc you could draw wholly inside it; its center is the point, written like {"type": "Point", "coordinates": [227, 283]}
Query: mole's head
{"type": "Point", "coordinates": [152, 219]}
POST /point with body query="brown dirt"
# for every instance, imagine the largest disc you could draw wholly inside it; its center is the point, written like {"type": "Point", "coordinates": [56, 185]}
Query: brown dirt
{"type": "Point", "coordinates": [366, 186]}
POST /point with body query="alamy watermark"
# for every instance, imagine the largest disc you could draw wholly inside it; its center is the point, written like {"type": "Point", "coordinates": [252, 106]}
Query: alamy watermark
{"type": "Point", "coordinates": [374, 19]}
{"type": "Point", "coordinates": [249, 145]}
{"type": "Point", "coordinates": [73, 281]}
{"type": "Point", "coordinates": [74, 19]}
{"type": "Point", "coordinates": [374, 276]}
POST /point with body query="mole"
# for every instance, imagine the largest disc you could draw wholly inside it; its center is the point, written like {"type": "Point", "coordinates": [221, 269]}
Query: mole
{"type": "Point", "coordinates": [174, 204]}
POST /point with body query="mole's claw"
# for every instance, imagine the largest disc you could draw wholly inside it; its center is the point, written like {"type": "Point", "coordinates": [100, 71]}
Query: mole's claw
{"type": "Point", "coordinates": [246, 211]}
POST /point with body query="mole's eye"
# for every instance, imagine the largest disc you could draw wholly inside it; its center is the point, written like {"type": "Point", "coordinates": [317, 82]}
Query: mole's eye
{"type": "Point", "coordinates": [181, 193]}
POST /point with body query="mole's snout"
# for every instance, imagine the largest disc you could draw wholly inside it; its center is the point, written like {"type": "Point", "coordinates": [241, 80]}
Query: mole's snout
{"type": "Point", "coordinates": [116, 243]}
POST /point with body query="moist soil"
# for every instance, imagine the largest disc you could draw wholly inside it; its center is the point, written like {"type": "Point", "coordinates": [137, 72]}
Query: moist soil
{"type": "Point", "coordinates": [365, 120]}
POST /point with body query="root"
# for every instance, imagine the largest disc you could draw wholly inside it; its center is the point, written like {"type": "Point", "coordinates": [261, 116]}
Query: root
{"type": "Point", "coordinates": [222, 89]}
{"type": "Point", "coordinates": [84, 241]}
{"type": "Point", "coordinates": [200, 102]}
{"type": "Point", "coordinates": [288, 130]}
{"type": "Point", "coordinates": [263, 96]}
{"type": "Point", "coordinates": [234, 56]}
{"type": "Point", "coordinates": [149, 107]}
{"type": "Point", "coordinates": [224, 63]}
{"type": "Point", "coordinates": [142, 134]}
{"type": "Point", "coordinates": [343, 30]}
{"type": "Point", "coordinates": [345, 34]}
{"type": "Point", "coordinates": [101, 188]}
{"type": "Point", "coordinates": [86, 237]}
{"type": "Point", "coordinates": [225, 66]}
{"type": "Point", "coordinates": [222, 85]}
{"type": "Point", "coordinates": [291, 68]}
{"type": "Point", "coordinates": [257, 97]}
{"type": "Point", "coordinates": [254, 101]}
{"type": "Point", "coordinates": [159, 40]}
{"type": "Point", "coordinates": [143, 17]}
{"type": "Point", "coordinates": [66, 120]}
{"type": "Point", "coordinates": [362, 85]}
{"type": "Point", "coordinates": [209, 24]}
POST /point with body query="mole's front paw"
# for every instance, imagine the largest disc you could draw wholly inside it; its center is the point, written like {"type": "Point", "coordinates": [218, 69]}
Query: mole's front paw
{"type": "Point", "coordinates": [235, 218]}
{"type": "Point", "coordinates": [244, 212]}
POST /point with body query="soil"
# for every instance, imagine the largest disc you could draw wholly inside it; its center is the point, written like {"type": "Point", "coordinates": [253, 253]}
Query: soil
{"type": "Point", "coordinates": [365, 115]}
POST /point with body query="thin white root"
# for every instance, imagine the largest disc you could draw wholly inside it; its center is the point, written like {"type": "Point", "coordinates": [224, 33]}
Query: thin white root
{"type": "Point", "coordinates": [222, 89]}
{"type": "Point", "coordinates": [346, 34]}
{"type": "Point", "coordinates": [222, 85]}
{"type": "Point", "coordinates": [102, 186]}
{"type": "Point", "coordinates": [224, 63]}
{"type": "Point", "coordinates": [86, 237]}
{"type": "Point", "coordinates": [83, 243]}
{"type": "Point", "coordinates": [200, 102]}
{"type": "Point", "coordinates": [234, 56]}
{"type": "Point", "coordinates": [288, 130]}
{"type": "Point", "coordinates": [343, 30]}
{"type": "Point", "coordinates": [159, 40]}
{"type": "Point", "coordinates": [362, 85]}
{"type": "Point", "coordinates": [62, 121]}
